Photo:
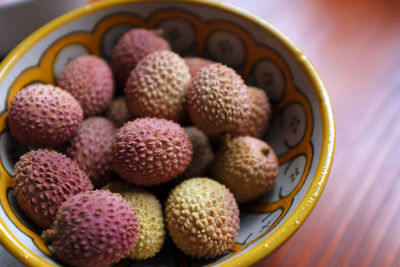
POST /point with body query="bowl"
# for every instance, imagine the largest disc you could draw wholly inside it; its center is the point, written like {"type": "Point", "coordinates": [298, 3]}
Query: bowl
{"type": "Point", "coordinates": [301, 131]}
{"type": "Point", "coordinates": [11, 12]}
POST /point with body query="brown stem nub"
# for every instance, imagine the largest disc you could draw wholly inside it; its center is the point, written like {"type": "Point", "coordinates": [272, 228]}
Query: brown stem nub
{"type": "Point", "coordinates": [265, 150]}
{"type": "Point", "coordinates": [48, 235]}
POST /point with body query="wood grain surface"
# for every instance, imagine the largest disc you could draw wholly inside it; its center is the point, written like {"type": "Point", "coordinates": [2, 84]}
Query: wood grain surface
{"type": "Point", "coordinates": [355, 45]}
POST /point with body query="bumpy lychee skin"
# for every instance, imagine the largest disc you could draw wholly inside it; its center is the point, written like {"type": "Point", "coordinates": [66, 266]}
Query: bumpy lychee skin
{"type": "Point", "coordinates": [118, 113]}
{"type": "Point", "coordinates": [43, 180]}
{"type": "Point", "coordinates": [95, 228]}
{"type": "Point", "coordinates": [202, 218]}
{"type": "Point", "coordinates": [157, 86]}
{"type": "Point", "coordinates": [218, 100]}
{"type": "Point", "coordinates": [44, 116]}
{"type": "Point", "coordinates": [149, 212]}
{"type": "Point", "coordinates": [247, 166]}
{"type": "Point", "coordinates": [196, 63]}
{"type": "Point", "coordinates": [202, 153]}
{"type": "Point", "coordinates": [149, 151]}
{"type": "Point", "coordinates": [91, 149]}
{"type": "Point", "coordinates": [133, 46]}
{"type": "Point", "coordinates": [260, 114]}
{"type": "Point", "coordinates": [90, 80]}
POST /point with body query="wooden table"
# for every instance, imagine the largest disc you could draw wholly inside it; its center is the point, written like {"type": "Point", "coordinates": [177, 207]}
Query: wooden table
{"type": "Point", "coordinates": [355, 45]}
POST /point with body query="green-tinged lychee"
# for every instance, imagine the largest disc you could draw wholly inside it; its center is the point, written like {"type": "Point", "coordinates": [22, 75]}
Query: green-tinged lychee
{"type": "Point", "coordinates": [131, 48]}
{"type": "Point", "coordinates": [94, 228]}
{"type": "Point", "coordinates": [150, 151]}
{"type": "Point", "coordinates": [90, 80]}
{"type": "Point", "coordinates": [202, 218]}
{"type": "Point", "coordinates": [118, 113]}
{"type": "Point", "coordinates": [91, 149]}
{"type": "Point", "coordinates": [157, 86]}
{"type": "Point", "coordinates": [218, 100]}
{"type": "Point", "coordinates": [202, 153]}
{"type": "Point", "coordinates": [43, 180]}
{"type": "Point", "coordinates": [44, 116]}
{"type": "Point", "coordinates": [149, 212]}
{"type": "Point", "coordinates": [247, 166]}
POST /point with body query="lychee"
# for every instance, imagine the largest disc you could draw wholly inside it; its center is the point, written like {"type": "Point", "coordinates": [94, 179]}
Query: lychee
{"type": "Point", "coordinates": [218, 100]}
{"type": "Point", "coordinates": [91, 149]}
{"type": "Point", "coordinates": [94, 228]}
{"type": "Point", "coordinates": [260, 113]}
{"type": "Point", "coordinates": [44, 116]}
{"type": "Point", "coordinates": [247, 166]}
{"type": "Point", "coordinates": [151, 220]}
{"type": "Point", "coordinates": [43, 180]}
{"type": "Point", "coordinates": [202, 153]}
{"type": "Point", "coordinates": [90, 80]}
{"type": "Point", "coordinates": [131, 48]}
{"type": "Point", "coordinates": [202, 218]}
{"type": "Point", "coordinates": [157, 86]}
{"type": "Point", "coordinates": [150, 151]}
{"type": "Point", "coordinates": [118, 113]}
{"type": "Point", "coordinates": [196, 63]}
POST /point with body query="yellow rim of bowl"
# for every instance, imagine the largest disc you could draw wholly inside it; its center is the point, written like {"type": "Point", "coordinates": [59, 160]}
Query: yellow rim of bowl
{"type": "Point", "coordinates": [289, 227]}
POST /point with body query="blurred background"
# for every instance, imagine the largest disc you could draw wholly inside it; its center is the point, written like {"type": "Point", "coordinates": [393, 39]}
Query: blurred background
{"type": "Point", "coordinates": [355, 45]}
{"type": "Point", "coordinates": [19, 18]}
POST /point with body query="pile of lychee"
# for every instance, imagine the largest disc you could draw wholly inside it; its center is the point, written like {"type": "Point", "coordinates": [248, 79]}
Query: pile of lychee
{"type": "Point", "coordinates": [89, 185]}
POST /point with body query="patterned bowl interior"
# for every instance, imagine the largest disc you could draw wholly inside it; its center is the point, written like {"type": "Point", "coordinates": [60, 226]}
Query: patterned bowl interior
{"type": "Point", "coordinates": [193, 28]}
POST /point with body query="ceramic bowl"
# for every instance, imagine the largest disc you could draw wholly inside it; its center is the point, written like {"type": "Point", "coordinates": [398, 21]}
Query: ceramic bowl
{"type": "Point", "coordinates": [301, 131]}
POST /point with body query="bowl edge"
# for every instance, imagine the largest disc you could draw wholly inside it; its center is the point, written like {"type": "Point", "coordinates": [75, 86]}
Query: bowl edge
{"type": "Point", "coordinates": [306, 205]}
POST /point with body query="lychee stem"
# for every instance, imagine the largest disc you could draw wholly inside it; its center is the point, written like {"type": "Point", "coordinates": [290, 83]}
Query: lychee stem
{"type": "Point", "coordinates": [48, 234]}
{"type": "Point", "coordinates": [265, 150]}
